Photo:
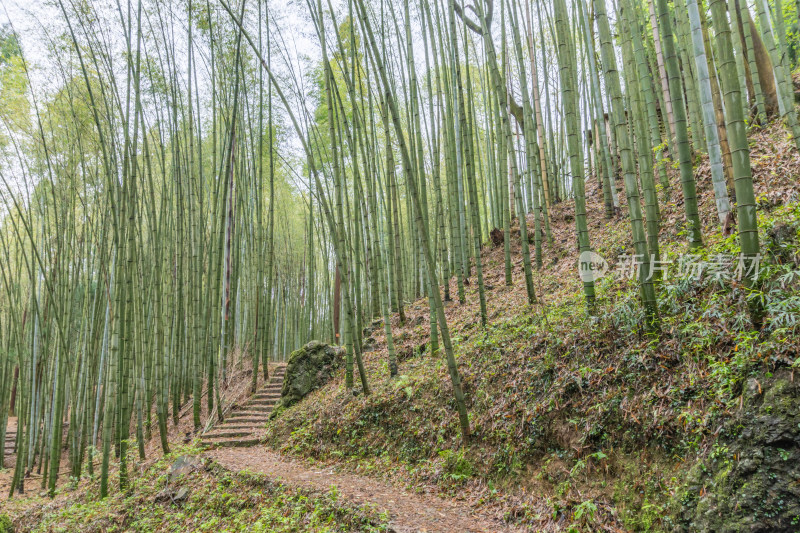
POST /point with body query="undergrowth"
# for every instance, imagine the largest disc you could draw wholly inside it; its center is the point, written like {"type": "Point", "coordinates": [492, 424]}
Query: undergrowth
{"type": "Point", "coordinates": [218, 500]}
{"type": "Point", "coordinates": [590, 410]}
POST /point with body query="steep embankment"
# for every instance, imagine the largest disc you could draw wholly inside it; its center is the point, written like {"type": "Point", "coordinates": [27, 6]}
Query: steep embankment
{"type": "Point", "coordinates": [577, 421]}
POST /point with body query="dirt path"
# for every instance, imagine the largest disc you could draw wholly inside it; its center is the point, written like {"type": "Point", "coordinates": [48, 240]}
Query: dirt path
{"type": "Point", "coordinates": [409, 512]}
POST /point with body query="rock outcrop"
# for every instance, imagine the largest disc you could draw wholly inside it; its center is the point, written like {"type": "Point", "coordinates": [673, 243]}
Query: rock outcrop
{"type": "Point", "coordinates": [749, 481]}
{"type": "Point", "coordinates": [308, 369]}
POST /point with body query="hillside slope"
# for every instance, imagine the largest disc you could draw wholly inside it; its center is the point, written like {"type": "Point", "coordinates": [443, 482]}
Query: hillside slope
{"type": "Point", "coordinates": [578, 421]}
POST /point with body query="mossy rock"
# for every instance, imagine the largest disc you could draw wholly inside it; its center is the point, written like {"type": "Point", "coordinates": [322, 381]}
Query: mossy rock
{"type": "Point", "coordinates": [749, 482]}
{"type": "Point", "coordinates": [309, 368]}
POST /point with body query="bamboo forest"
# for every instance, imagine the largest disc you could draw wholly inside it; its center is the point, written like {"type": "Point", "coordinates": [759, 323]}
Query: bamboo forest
{"type": "Point", "coordinates": [418, 266]}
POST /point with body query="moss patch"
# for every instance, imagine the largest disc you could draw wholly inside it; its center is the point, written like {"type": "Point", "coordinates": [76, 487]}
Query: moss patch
{"type": "Point", "coordinates": [749, 482]}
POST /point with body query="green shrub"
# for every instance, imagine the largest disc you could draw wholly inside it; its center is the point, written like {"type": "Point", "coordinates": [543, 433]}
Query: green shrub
{"type": "Point", "coordinates": [6, 526]}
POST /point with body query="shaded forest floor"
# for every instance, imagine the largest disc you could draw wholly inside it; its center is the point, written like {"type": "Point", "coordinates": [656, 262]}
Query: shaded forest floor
{"type": "Point", "coordinates": [187, 491]}
{"type": "Point", "coordinates": [579, 422]}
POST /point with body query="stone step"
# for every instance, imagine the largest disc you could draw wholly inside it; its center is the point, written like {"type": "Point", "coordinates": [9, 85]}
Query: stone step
{"type": "Point", "coordinates": [233, 425]}
{"type": "Point", "coordinates": [259, 408]}
{"type": "Point", "coordinates": [263, 401]}
{"type": "Point", "coordinates": [222, 433]}
{"type": "Point", "coordinates": [244, 414]}
{"type": "Point", "coordinates": [251, 420]}
{"type": "Point", "coordinates": [264, 398]}
{"type": "Point", "coordinates": [240, 443]}
{"type": "Point", "coordinates": [272, 400]}
{"type": "Point", "coordinates": [260, 413]}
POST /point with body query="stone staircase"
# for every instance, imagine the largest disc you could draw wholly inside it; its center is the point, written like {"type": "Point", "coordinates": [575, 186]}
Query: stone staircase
{"type": "Point", "coordinates": [11, 436]}
{"type": "Point", "coordinates": [9, 444]}
{"type": "Point", "coordinates": [242, 426]}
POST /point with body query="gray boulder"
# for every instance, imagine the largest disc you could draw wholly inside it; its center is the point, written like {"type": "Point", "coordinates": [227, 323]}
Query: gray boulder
{"type": "Point", "coordinates": [750, 480]}
{"type": "Point", "coordinates": [308, 369]}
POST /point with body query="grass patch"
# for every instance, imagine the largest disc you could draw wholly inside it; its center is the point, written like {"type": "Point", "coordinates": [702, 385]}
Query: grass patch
{"type": "Point", "coordinates": [218, 500]}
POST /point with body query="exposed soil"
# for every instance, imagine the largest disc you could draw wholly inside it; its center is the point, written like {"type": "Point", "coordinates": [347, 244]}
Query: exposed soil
{"type": "Point", "coordinates": [409, 512]}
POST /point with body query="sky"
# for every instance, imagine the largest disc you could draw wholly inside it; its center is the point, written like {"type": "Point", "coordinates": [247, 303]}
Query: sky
{"type": "Point", "coordinates": [26, 17]}
{"type": "Point", "coordinates": [37, 22]}
{"type": "Point", "coordinates": [30, 18]}
{"type": "Point", "coordinates": [33, 19]}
